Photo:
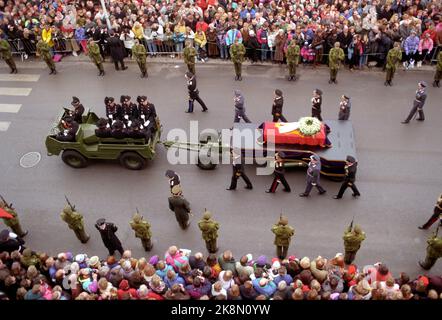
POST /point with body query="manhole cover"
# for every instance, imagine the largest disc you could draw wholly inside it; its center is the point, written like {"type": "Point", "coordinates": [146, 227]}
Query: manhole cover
{"type": "Point", "coordinates": [30, 159]}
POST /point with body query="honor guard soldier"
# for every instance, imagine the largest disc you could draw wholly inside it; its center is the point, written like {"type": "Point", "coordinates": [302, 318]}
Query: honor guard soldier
{"type": "Point", "coordinates": [344, 108]}
{"type": "Point", "coordinates": [95, 55]}
{"type": "Point", "coordinates": [293, 51]}
{"type": "Point", "coordinates": [75, 222]}
{"type": "Point", "coordinates": [113, 110]}
{"type": "Point", "coordinates": [434, 251]}
{"type": "Point", "coordinates": [174, 178]}
{"type": "Point", "coordinates": [6, 54]}
{"type": "Point", "coordinates": [142, 230]}
{"type": "Point", "coordinates": [140, 54]}
{"type": "Point", "coordinates": [14, 222]}
{"type": "Point", "coordinates": [238, 171]}
{"type": "Point", "coordinates": [78, 111]}
{"type": "Point", "coordinates": [103, 128]}
{"type": "Point", "coordinates": [181, 207]}
{"type": "Point", "coordinates": [69, 130]}
{"type": "Point", "coordinates": [107, 231]}
{"type": "Point", "coordinates": [394, 57]}
{"type": "Point", "coordinates": [189, 53]}
{"type": "Point", "coordinates": [283, 234]}
{"type": "Point", "coordinates": [313, 176]}
{"type": "Point", "coordinates": [353, 238]}
{"type": "Point", "coordinates": [438, 74]}
{"type": "Point", "coordinates": [316, 104]}
{"type": "Point", "coordinates": [349, 179]}
{"type": "Point", "coordinates": [279, 174]}
{"type": "Point", "coordinates": [44, 52]}
{"type": "Point", "coordinates": [129, 110]}
{"type": "Point", "coordinates": [278, 102]}
{"type": "Point", "coordinates": [193, 93]}
{"type": "Point", "coordinates": [335, 56]}
{"type": "Point", "coordinates": [240, 110]}
{"type": "Point", "coordinates": [437, 215]}
{"type": "Point", "coordinates": [237, 53]}
{"type": "Point", "coordinates": [418, 103]}
{"type": "Point", "coordinates": [209, 229]}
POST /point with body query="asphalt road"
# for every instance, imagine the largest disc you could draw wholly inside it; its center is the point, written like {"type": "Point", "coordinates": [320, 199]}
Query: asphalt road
{"type": "Point", "coordinates": [399, 177]}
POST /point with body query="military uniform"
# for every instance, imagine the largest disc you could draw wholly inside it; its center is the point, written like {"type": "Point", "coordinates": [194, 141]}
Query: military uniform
{"type": "Point", "coordinates": [6, 54]}
{"type": "Point", "coordinates": [418, 103]}
{"type": "Point", "coordinates": [209, 229]}
{"type": "Point", "coordinates": [44, 51]}
{"type": "Point", "coordinates": [189, 58]}
{"type": "Point", "coordinates": [237, 52]}
{"type": "Point", "coordinates": [142, 231]}
{"type": "Point", "coordinates": [283, 234]}
{"type": "Point", "coordinates": [94, 54]}
{"type": "Point", "coordinates": [316, 105]}
{"type": "Point", "coordinates": [181, 207]}
{"type": "Point", "coordinates": [350, 178]}
{"type": "Point", "coordinates": [75, 222]}
{"type": "Point", "coordinates": [238, 171]}
{"type": "Point", "coordinates": [434, 252]}
{"type": "Point", "coordinates": [394, 56]}
{"type": "Point", "coordinates": [278, 102]}
{"type": "Point", "coordinates": [437, 214]}
{"type": "Point", "coordinates": [335, 57]}
{"type": "Point", "coordinates": [438, 74]}
{"type": "Point", "coordinates": [14, 222]}
{"type": "Point", "coordinates": [293, 52]}
{"type": "Point", "coordinates": [352, 242]}
{"type": "Point", "coordinates": [193, 93]}
{"type": "Point", "coordinates": [313, 176]}
{"type": "Point", "coordinates": [278, 174]}
{"type": "Point", "coordinates": [140, 54]}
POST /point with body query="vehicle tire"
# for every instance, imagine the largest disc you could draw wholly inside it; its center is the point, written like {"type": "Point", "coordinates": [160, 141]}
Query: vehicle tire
{"type": "Point", "coordinates": [74, 159]}
{"type": "Point", "coordinates": [132, 161]}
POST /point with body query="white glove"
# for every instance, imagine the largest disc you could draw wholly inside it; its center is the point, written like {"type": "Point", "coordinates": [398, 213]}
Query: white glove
{"type": "Point", "coordinates": [126, 117]}
{"type": "Point", "coordinates": [111, 116]}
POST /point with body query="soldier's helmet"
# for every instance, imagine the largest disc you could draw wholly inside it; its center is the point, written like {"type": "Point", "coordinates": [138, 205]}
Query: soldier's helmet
{"type": "Point", "coordinates": [357, 229]}
{"type": "Point", "coordinates": [283, 220]}
{"type": "Point", "coordinates": [207, 215]}
{"type": "Point", "coordinates": [67, 209]}
{"type": "Point", "coordinates": [137, 217]}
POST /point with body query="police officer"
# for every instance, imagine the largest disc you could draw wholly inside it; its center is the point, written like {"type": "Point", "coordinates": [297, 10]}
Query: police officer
{"type": "Point", "coordinates": [278, 102]}
{"type": "Point", "coordinates": [349, 179]}
{"type": "Point", "coordinates": [174, 178]}
{"type": "Point", "coordinates": [293, 51]}
{"type": "Point", "coordinates": [181, 207]}
{"type": "Point", "coordinates": [240, 110]}
{"type": "Point", "coordinates": [418, 103]}
{"type": "Point", "coordinates": [107, 231]}
{"type": "Point", "coordinates": [238, 171]}
{"type": "Point", "coordinates": [94, 54]}
{"type": "Point", "coordinates": [189, 53]}
{"type": "Point", "coordinates": [316, 104]}
{"type": "Point", "coordinates": [78, 111]}
{"type": "Point", "coordinates": [394, 57]}
{"type": "Point", "coordinates": [44, 52]}
{"type": "Point", "coordinates": [279, 174]}
{"type": "Point", "coordinates": [209, 229]}
{"type": "Point", "coordinates": [6, 54]}
{"type": "Point", "coordinates": [434, 251]}
{"type": "Point", "coordinates": [344, 108]}
{"type": "Point", "coordinates": [313, 176]}
{"type": "Point", "coordinates": [283, 234]}
{"type": "Point", "coordinates": [437, 215]}
{"type": "Point", "coordinates": [113, 110]}
{"type": "Point", "coordinates": [14, 222]}
{"type": "Point", "coordinates": [103, 128]}
{"type": "Point", "coordinates": [352, 242]}
{"type": "Point", "coordinates": [75, 222]}
{"type": "Point", "coordinates": [193, 93]}
{"type": "Point", "coordinates": [140, 54]}
{"type": "Point", "coordinates": [237, 53]}
{"type": "Point", "coordinates": [438, 74]}
{"type": "Point", "coordinates": [142, 231]}
{"type": "Point", "coordinates": [69, 130]}
{"type": "Point", "coordinates": [335, 56]}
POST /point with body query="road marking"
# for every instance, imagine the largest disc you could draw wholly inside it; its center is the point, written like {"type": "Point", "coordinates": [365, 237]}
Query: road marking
{"type": "Point", "coordinates": [4, 125]}
{"type": "Point", "coordinates": [11, 108]}
{"type": "Point", "coordinates": [15, 91]}
{"type": "Point", "coordinates": [19, 77]}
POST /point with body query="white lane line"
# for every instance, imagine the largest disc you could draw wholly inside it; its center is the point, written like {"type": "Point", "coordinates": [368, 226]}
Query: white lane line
{"type": "Point", "coordinates": [15, 91]}
{"type": "Point", "coordinates": [19, 77]}
{"type": "Point", "coordinates": [4, 125]}
{"type": "Point", "coordinates": [11, 108]}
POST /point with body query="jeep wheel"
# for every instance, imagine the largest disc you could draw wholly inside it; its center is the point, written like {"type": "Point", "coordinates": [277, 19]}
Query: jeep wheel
{"type": "Point", "coordinates": [74, 159]}
{"type": "Point", "coordinates": [132, 161]}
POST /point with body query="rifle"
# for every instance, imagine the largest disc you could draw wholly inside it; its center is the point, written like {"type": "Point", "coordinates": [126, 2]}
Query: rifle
{"type": "Point", "coordinates": [9, 206]}
{"type": "Point", "coordinates": [69, 203]}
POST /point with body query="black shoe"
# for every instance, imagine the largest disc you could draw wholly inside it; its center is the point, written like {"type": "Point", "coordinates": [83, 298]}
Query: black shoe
{"type": "Point", "coordinates": [405, 121]}
{"type": "Point", "coordinates": [322, 192]}
{"type": "Point", "coordinates": [336, 197]}
{"type": "Point", "coordinates": [303, 194]}
{"type": "Point", "coordinates": [422, 228]}
{"type": "Point", "coordinates": [249, 187]}
{"type": "Point", "coordinates": [231, 188]}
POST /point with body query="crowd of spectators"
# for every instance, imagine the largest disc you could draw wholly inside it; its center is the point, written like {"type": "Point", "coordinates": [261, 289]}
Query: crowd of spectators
{"type": "Point", "coordinates": [366, 29]}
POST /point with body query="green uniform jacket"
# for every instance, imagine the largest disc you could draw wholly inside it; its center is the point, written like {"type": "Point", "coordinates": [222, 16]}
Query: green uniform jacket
{"type": "Point", "coordinates": [189, 55]}
{"type": "Point", "coordinates": [44, 50]}
{"type": "Point", "coordinates": [139, 51]}
{"type": "Point", "coordinates": [11, 222]}
{"type": "Point", "coordinates": [283, 234]}
{"type": "Point", "coordinates": [335, 56]}
{"type": "Point", "coordinates": [434, 249]}
{"type": "Point", "coordinates": [352, 241]}
{"type": "Point", "coordinates": [142, 229]}
{"type": "Point", "coordinates": [439, 62]}
{"type": "Point", "coordinates": [293, 54]}
{"type": "Point", "coordinates": [94, 53]}
{"type": "Point", "coordinates": [237, 52]}
{"type": "Point", "coordinates": [5, 49]}
{"type": "Point", "coordinates": [209, 229]}
{"type": "Point", "coordinates": [393, 57]}
{"type": "Point", "coordinates": [74, 220]}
